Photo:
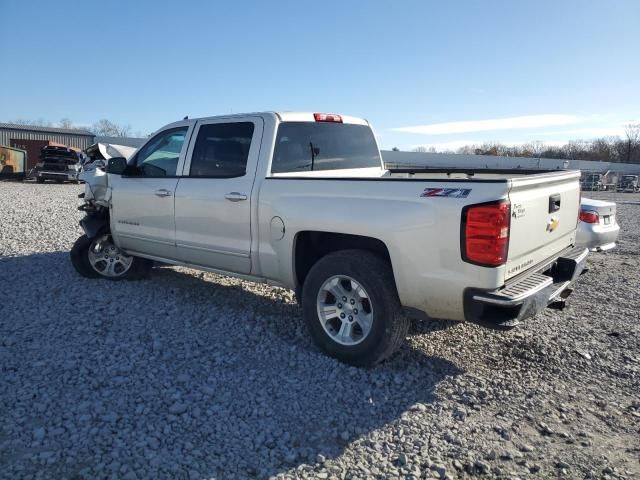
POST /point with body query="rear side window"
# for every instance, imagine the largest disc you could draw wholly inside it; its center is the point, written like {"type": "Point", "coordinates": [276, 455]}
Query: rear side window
{"type": "Point", "coordinates": [221, 150]}
{"type": "Point", "coordinates": [307, 146]}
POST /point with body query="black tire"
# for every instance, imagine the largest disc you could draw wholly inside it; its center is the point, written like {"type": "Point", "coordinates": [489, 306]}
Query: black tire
{"type": "Point", "coordinates": [140, 268]}
{"type": "Point", "coordinates": [389, 327]}
{"type": "Point", "coordinates": [39, 180]}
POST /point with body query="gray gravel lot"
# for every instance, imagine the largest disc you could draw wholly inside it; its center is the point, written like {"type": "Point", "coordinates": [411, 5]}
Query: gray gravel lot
{"type": "Point", "coordinates": [194, 375]}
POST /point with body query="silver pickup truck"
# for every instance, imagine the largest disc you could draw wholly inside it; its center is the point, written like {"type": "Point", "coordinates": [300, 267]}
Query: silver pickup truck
{"type": "Point", "coordinates": [303, 201]}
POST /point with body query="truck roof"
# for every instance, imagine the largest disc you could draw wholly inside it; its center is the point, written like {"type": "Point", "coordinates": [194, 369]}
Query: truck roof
{"type": "Point", "coordinates": [291, 117]}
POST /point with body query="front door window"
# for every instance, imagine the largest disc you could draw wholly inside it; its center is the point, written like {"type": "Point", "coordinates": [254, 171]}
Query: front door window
{"type": "Point", "coordinates": [159, 157]}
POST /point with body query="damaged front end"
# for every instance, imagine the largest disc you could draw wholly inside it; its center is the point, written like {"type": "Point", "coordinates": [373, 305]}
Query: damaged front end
{"type": "Point", "coordinates": [96, 196]}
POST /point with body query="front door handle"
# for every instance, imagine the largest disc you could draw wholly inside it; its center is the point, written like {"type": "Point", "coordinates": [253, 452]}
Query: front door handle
{"type": "Point", "coordinates": [235, 196]}
{"type": "Point", "coordinates": [163, 192]}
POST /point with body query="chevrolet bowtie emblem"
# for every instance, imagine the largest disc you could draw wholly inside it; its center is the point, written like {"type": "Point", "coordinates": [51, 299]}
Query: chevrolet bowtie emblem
{"type": "Point", "coordinates": [552, 224]}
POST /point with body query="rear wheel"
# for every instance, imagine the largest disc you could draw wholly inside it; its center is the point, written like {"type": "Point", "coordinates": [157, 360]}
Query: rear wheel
{"type": "Point", "coordinates": [40, 180]}
{"type": "Point", "coordinates": [351, 307]}
{"type": "Point", "coordinates": [99, 257]}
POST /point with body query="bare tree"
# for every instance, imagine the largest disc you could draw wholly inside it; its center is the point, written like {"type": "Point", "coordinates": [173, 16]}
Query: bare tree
{"type": "Point", "coordinates": [632, 132]}
{"type": "Point", "coordinates": [467, 150]}
{"type": "Point", "coordinates": [533, 149]}
{"type": "Point", "coordinates": [606, 149]}
{"type": "Point", "coordinates": [107, 128]}
{"type": "Point", "coordinates": [40, 122]}
{"type": "Point", "coordinates": [493, 148]}
{"type": "Point", "coordinates": [65, 123]}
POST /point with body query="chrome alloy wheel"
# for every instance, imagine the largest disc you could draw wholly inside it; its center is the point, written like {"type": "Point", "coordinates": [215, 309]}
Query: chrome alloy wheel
{"type": "Point", "coordinates": [345, 310]}
{"type": "Point", "coordinates": [107, 259]}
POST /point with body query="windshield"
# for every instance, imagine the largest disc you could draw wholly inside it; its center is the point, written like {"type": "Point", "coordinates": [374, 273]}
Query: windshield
{"type": "Point", "coordinates": [312, 146]}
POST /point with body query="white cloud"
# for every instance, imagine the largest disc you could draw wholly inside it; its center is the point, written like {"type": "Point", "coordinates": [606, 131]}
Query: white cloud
{"type": "Point", "coordinates": [586, 133]}
{"type": "Point", "coordinates": [527, 121]}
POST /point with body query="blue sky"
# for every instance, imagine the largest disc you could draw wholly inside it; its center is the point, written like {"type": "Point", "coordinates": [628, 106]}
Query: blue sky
{"type": "Point", "coordinates": [556, 70]}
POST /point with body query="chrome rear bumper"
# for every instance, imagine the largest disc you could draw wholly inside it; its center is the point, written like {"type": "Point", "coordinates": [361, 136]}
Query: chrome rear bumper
{"type": "Point", "coordinates": [526, 296]}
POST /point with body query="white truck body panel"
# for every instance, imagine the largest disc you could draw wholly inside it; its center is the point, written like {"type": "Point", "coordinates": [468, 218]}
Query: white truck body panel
{"type": "Point", "coordinates": [392, 211]}
{"type": "Point", "coordinates": [211, 229]}
{"type": "Point", "coordinates": [248, 225]}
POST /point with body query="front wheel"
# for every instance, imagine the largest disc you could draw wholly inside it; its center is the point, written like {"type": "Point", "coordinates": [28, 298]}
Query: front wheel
{"type": "Point", "coordinates": [99, 257]}
{"type": "Point", "coordinates": [351, 308]}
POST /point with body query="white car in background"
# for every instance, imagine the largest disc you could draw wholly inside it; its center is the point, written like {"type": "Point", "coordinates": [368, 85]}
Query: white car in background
{"type": "Point", "coordinates": [598, 228]}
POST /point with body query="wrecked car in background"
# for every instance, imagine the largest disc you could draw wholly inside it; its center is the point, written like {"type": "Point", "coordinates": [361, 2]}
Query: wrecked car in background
{"type": "Point", "coordinates": [58, 163]}
{"type": "Point", "coordinates": [598, 228]}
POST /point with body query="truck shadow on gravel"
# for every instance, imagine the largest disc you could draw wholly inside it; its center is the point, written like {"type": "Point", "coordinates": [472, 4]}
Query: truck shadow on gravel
{"type": "Point", "coordinates": [185, 375]}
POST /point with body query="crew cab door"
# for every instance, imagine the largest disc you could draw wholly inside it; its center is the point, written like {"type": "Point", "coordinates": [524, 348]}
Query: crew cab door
{"type": "Point", "coordinates": [213, 197]}
{"type": "Point", "coordinates": [142, 199]}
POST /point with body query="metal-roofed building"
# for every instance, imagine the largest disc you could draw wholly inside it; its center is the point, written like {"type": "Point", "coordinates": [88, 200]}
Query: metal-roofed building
{"type": "Point", "coordinates": [70, 137]}
{"type": "Point", "coordinates": [32, 138]}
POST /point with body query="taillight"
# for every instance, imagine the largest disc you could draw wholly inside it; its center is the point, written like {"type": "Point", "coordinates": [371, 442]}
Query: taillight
{"type": "Point", "coordinates": [485, 233]}
{"type": "Point", "coordinates": [327, 117]}
{"type": "Point", "coordinates": [587, 216]}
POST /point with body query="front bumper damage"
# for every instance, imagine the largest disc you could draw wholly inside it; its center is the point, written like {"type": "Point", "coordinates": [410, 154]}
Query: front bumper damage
{"type": "Point", "coordinates": [526, 296]}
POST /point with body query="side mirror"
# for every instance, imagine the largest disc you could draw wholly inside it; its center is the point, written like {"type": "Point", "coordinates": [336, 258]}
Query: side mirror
{"type": "Point", "coordinates": [117, 165]}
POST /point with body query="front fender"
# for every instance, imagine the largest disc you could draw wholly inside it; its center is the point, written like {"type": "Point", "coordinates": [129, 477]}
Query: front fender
{"type": "Point", "coordinates": [94, 225]}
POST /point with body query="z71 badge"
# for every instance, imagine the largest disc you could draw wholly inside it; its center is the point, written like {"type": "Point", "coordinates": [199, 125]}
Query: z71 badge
{"type": "Point", "coordinates": [446, 192]}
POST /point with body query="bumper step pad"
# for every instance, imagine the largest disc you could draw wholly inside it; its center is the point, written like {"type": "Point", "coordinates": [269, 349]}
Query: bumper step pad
{"type": "Point", "coordinates": [507, 307]}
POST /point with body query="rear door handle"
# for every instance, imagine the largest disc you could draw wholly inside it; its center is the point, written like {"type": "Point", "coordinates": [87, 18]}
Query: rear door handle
{"type": "Point", "coordinates": [163, 192]}
{"type": "Point", "coordinates": [235, 196]}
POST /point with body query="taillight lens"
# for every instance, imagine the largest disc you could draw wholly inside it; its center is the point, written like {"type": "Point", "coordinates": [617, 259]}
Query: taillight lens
{"type": "Point", "coordinates": [588, 216]}
{"type": "Point", "coordinates": [485, 230]}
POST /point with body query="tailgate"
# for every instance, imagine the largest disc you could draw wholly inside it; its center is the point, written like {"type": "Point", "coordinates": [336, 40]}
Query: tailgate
{"type": "Point", "coordinates": [544, 215]}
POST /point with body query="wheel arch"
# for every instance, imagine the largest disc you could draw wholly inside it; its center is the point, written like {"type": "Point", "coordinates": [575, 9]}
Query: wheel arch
{"type": "Point", "coordinates": [95, 224]}
{"type": "Point", "coordinates": [311, 245]}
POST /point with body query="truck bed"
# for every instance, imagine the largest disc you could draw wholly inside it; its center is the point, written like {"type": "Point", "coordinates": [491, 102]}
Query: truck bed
{"type": "Point", "coordinates": [417, 213]}
{"type": "Point", "coordinates": [498, 174]}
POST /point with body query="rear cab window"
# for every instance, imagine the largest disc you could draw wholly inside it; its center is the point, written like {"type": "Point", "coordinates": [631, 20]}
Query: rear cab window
{"type": "Point", "coordinates": [317, 146]}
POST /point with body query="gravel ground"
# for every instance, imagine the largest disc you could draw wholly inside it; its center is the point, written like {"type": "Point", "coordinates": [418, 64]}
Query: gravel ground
{"type": "Point", "coordinates": [194, 375]}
